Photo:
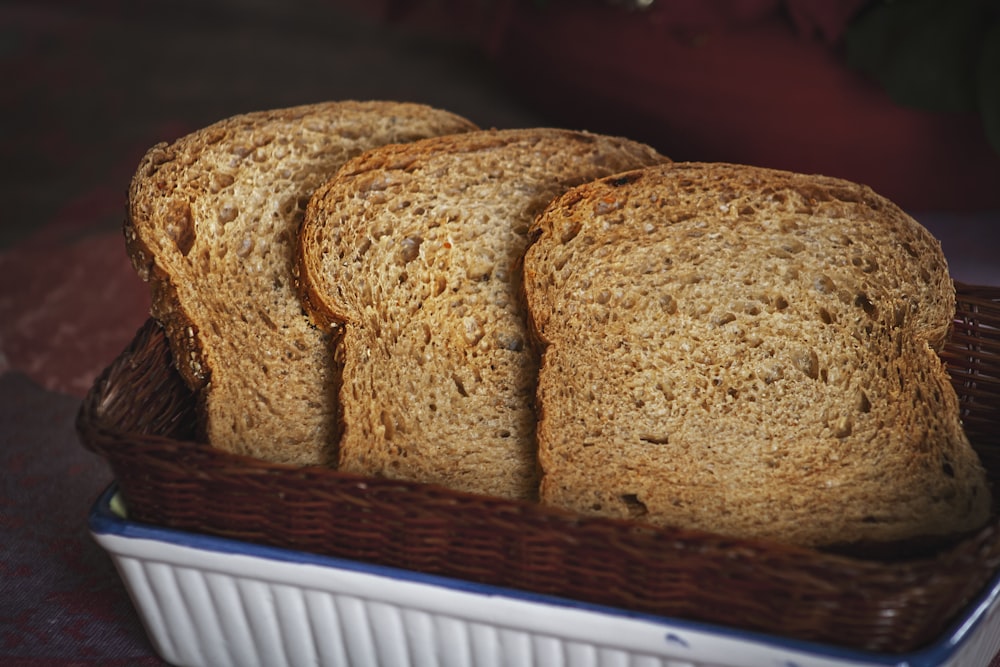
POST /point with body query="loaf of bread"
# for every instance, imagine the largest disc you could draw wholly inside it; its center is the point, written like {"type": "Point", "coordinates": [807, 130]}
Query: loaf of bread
{"type": "Point", "coordinates": [211, 225]}
{"type": "Point", "coordinates": [749, 352]}
{"type": "Point", "coordinates": [414, 251]}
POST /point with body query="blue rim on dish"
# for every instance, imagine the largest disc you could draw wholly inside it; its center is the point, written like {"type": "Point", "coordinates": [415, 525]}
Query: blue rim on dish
{"type": "Point", "coordinates": [104, 518]}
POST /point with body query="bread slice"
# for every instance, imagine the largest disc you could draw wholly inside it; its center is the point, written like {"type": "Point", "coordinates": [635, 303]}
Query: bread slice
{"type": "Point", "coordinates": [211, 226]}
{"type": "Point", "coordinates": [750, 352]}
{"type": "Point", "coordinates": [415, 250]}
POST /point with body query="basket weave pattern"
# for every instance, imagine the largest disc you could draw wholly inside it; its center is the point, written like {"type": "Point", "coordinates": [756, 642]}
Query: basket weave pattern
{"type": "Point", "coordinates": [139, 416]}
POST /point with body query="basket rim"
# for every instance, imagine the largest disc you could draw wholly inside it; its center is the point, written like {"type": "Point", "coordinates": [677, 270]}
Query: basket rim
{"type": "Point", "coordinates": [976, 556]}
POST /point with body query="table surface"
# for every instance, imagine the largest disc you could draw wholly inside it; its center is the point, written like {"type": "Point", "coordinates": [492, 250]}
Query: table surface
{"type": "Point", "coordinates": [85, 107]}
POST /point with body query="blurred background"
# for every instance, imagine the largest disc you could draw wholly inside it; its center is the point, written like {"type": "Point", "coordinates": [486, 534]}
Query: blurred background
{"type": "Point", "coordinates": [807, 85]}
{"type": "Point", "coordinates": [903, 96]}
{"type": "Point", "coordinates": [89, 85]}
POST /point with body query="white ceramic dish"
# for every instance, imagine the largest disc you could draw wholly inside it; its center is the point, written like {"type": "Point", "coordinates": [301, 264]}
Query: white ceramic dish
{"type": "Point", "coordinates": [208, 601]}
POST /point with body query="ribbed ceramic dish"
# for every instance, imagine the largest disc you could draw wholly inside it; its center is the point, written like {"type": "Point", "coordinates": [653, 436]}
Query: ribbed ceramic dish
{"type": "Point", "coordinates": [213, 602]}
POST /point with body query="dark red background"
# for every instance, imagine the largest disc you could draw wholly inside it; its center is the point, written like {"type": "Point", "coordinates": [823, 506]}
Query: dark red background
{"type": "Point", "coordinates": [88, 86]}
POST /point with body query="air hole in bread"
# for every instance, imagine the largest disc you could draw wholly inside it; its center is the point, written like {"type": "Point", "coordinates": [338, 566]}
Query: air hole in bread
{"type": "Point", "coordinates": [362, 249]}
{"type": "Point", "coordinates": [409, 248]}
{"type": "Point", "coordinates": [793, 246]}
{"type": "Point", "coordinates": [479, 268]}
{"type": "Point", "coordinates": [861, 300]}
{"type": "Point", "coordinates": [824, 284]}
{"type": "Point", "coordinates": [866, 263]}
{"type": "Point", "coordinates": [559, 260]}
{"type": "Point", "coordinates": [439, 286]}
{"type": "Point", "coordinates": [603, 207]}
{"type": "Point", "coordinates": [267, 321]}
{"type": "Point", "coordinates": [570, 231]}
{"type": "Point", "coordinates": [220, 181]}
{"type": "Point", "coordinates": [204, 260]}
{"type": "Point", "coordinates": [227, 213]}
{"type": "Point", "coordinates": [624, 179]}
{"type": "Point", "coordinates": [180, 227]}
{"type": "Point", "coordinates": [808, 362]}
{"type": "Point", "coordinates": [843, 427]}
{"type": "Point", "coordinates": [633, 506]}
{"type": "Point", "coordinates": [772, 373]}
{"type": "Point", "coordinates": [472, 331]}
{"type": "Point", "coordinates": [387, 424]}
{"type": "Point", "coordinates": [510, 343]}
{"type": "Point", "coordinates": [723, 319]}
{"type": "Point", "coordinates": [899, 317]}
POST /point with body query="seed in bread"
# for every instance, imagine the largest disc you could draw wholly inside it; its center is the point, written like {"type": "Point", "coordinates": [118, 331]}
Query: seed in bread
{"type": "Point", "coordinates": [211, 225]}
{"type": "Point", "coordinates": [750, 352]}
{"type": "Point", "coordinates": [414, 250]}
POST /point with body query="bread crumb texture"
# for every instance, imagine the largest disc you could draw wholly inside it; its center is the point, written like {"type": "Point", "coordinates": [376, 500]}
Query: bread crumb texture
{"type": "Point", "coordinates": [415, 250]}
{"type": "Point", "coordinates": [750, 352]}
{"type": "Point", "coordinates": [212, 224]}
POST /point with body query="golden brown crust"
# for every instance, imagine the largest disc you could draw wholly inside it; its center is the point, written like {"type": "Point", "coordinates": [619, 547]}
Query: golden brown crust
{"type": "Point", "coordinates": [415, 250]}
{"type": "Point", "coordinates": [165, 304]}
{"type": "Point", "coordinates": [769, 353]}
{"type": "Point", "coordinates": [211, 225]}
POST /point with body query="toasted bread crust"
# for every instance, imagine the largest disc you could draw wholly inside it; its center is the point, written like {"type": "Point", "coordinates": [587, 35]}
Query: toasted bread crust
{"type": "Point", "coordinates": [211, 225]}
{"type": "Point", "coordinates": [414, 250]}
{"type": "Point", "coordinates": [750, 352]}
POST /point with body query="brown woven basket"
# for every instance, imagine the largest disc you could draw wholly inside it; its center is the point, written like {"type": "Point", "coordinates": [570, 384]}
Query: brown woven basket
{"type": "Point", "coordinates": [140, 417]}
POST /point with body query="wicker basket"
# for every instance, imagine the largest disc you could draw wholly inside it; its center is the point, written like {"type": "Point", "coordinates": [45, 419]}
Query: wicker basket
{"type": "Point", "coordinates": [139, 416]}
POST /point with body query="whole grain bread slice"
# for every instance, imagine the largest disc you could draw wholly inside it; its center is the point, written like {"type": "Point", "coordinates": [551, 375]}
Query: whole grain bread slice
{"type": "Point", "coordinates": [414, 249]}
{"type": "Point", "coordinates": [211, 226]}
{"type": "Point", "coordinates": [750, 352]}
